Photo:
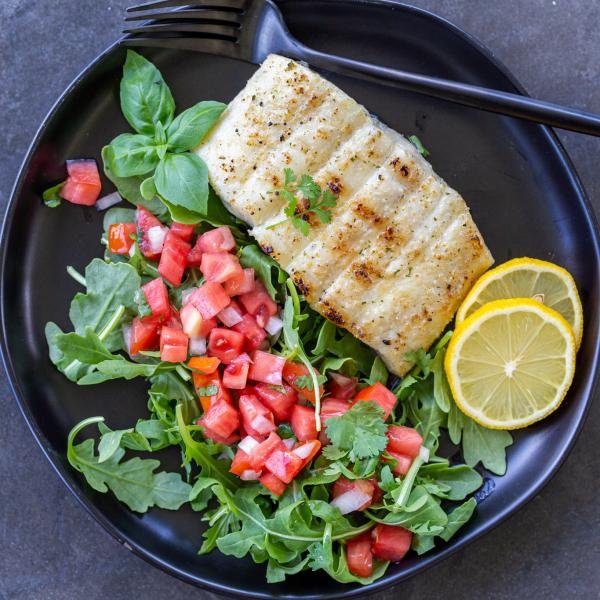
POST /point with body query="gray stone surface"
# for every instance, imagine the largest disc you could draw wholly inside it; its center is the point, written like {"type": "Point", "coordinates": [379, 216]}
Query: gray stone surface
{"type": "Point", "coordinates": [51, 549]}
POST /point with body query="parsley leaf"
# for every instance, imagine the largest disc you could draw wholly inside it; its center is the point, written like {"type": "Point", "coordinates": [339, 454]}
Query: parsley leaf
{"type": "Point", "coordinates": [304, 197]}
{"type": "Point", "coordinates": [418, 144]}
{"type": "Point", "coordinates": [305, 382]}
{"type": "Point", "coordinates": [361, 430]}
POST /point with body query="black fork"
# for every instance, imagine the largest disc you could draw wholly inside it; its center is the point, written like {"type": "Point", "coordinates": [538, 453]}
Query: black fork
{"type": "Point", "coordinates": [250, 30]}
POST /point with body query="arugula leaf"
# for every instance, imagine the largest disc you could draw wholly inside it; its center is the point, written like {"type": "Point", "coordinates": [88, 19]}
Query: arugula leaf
{"type": "Point", "coordinates": [191, 126]}
{"type": "Point", "coordinates": [418, 144]}
{"type": "Point", "coordinates": [120, 368]}
{"type": "Point", "coordinates": [441, 389]}
{"type": "Point", "coordinates": [131, 439]}
{"type": "Point", "coordinates": [145, 97]}
{"type": "Point", "coordinates": [425, 414]}
{"type": "Point", "coordinates": [361, 430]}
{"type": "Point", "coordinates": [182, 180]}
{"type": "Point", "coordinates": [458, 481]}
{"type": "Point", "coordinates": [130, 155]}
{"type": "Point", "coordinates": [379, 372]}
{"type": "Point", "coordinates": [133, 481]}
{"type": "Point", "coordinates": [266, 269]}
{"type": "Point", "coordinates": [87, 348]}
{"type": "Point", "coordinates": [305, 382]}
{"type": "Point", "coordinates": [51, 196]}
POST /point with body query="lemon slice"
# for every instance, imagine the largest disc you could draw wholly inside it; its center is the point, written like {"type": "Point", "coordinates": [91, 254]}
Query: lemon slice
{"type": "Point", "coordinates": [510, 363]}
{"type": "Point", "coordinates": [528, 278]}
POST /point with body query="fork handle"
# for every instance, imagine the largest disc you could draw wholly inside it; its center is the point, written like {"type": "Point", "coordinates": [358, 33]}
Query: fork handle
{"type": "Point", "coordinates": [505, 103]}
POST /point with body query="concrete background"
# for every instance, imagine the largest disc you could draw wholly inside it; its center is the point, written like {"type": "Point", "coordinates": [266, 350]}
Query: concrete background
{"type": "Point", "coordinates": [50, 548]}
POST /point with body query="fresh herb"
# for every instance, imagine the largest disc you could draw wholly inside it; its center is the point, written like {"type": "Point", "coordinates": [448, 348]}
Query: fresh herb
{"type": "Point", "coordinates": [416, 142]}
{"type": "Point", "coordinates": [132, 481]}
{"type": "Point", "coordinates": [266, 269]}
{"type": "Point", "coordinates": [209, 390]}
{"type": "Point", "coordinates": [51, 196]}
{"type": "Point", "coordinates": [304, 198]}
{"type": "Point", "coordinates": [305, 382]}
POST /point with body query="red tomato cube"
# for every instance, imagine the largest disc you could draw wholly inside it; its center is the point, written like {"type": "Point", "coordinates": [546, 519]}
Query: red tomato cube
{"type": "Point", "coordinates": [379, 394]}
{"type": "Point", "coordinates": [194, 257]}
{"type": "Point", "coordinates": [341, 386]}
{"type": "Point", "coordinates": [365, 486]}
{"type": "Point", "coordinates": [259, 304]}
{"type": "Point", "coordinates": [119, 237]}
{"type": "Point", "coordinates": [225, 344]}
{"type": "Point", "coordinates": [307, 450]}
{"type": "Point", "coordinates": [293, 371]}
{"type": "Point", "coordinates": [390, 542]}
{"type": "Point", "coordinates": [280, 399]}
{"type": "Point", "coordinates": [266, 367]}
{"type": "Point", "coordinates": [284, 464]}
{"type": "Point", "coordinates": [220, 266]}
{"type": "Point", "coordinates": [173, 259]}
{"type": "Point", "coordinates": [235, 374]}
{"type": "Point", "coordinates": [359, 555]}
{"type": "Point", "coordinates": [150, 243]}
{"type": "Point", "coordinates": [404, 440]}
{"type": "Point", "coordinates": [216, 240]}
{"type": "Point", "coordinates": [403, 462]}
{"type": "Point", "coordinates": [83, 184]}
{"type": "Point", "coordinates": [260, 453]}
{"type": "Point", "coordinates": [241, 283]}
{"type": "Point", "coordinates": [303, 423]}
{"type": "Point", "coordinates": [331, 407]}
{"type": "Point", "coordinates": [249, 328]}
{"type": "Point", "coordinates": [173, 345]}
{"type": "Point", "coordinates": [240, 463]}
{"type": "Point", "coordinates": [258, 419]}
{"type": "Point", "coordinates": [273, 483]}
{"type": "Point", "coordinates": [210, 299]}
{"type": "Point", "coordinates": [183, 231]}
{"type": "Point", "coordinates": [144, 335]}
{"type": "Point", "coordinates": [157, 297]}
{"type": "Point", "coordinates": [222, 418]}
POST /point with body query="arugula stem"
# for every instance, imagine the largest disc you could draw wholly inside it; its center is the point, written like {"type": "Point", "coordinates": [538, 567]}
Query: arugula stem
{"type": "Point", "coordinates": [76, 275]}
{"type": "Point", "coordinates": [182, 372]}
{"type": "Point", "coordinates": [76, 429]}
{"type": "Point", "coordinates": [112, 323]}
{"type": "Point", "coordinates": [222, 511]}
{"type": "Point", "coordinates": [407, 483]}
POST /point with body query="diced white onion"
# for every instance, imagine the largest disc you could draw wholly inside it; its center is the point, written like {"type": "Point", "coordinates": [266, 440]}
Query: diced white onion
{"type": "Point", "coordinates": [262, 425]}
{"type": "Point", "coordinates": [250, 475]}
{"type": "Point", "coordinates": [127, 336]}
{"type": "Point", "coordinates": [198, 346]}
{"type": "Point", "coordinates": [274, 325]}
{"type": "Point", "coordinates": [248, 444]}
{"type": "Point", "coordinates": [229, 316]}
{"type": "Point", "coordinates": [289, 443]}
{"type": "Point", "coordinates": [156, 237]}
{"type": "Point", "coordinates": [131, 251]}
{"type": "Point", "coordinates": [424, 453]}
{"type": "Point", "coordinates": [303, 451]}
{"type": "Point", "coordinates": [185, 295]}
{"type": "Point", "coordinates": [108, 201]}
{"type": "Point", "coordinates": [350, 501]}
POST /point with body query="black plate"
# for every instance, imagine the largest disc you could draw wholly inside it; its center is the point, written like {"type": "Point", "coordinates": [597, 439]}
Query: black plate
{"type": "Point", "coordinates": [521, 187]}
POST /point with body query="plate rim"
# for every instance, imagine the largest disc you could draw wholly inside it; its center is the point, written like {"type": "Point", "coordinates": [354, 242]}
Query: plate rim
{"type": "Point", "coordinates": [426, 562]}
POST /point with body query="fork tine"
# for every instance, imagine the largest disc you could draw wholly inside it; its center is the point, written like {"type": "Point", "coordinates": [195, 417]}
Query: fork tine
{"type": "Point", "coordinates": [217, 4]}
{"type": "Point", "coordinates": [192, 28]}
{"type": "Point", "coordinates": [196, 14]}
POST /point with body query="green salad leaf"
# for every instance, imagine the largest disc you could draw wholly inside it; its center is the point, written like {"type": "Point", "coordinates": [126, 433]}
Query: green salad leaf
{"type": "Point", "coordinates": [190, 127]}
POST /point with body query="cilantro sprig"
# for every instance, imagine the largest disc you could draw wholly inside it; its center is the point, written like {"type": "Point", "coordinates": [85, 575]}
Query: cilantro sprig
{"type": "Point", "coordinates": [304, 197]}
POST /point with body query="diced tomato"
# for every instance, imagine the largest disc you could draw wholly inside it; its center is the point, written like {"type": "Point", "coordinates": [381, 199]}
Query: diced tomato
{"type": "Point", "coordinates": [222, 418]}
{"type": "Point", "coordinates": [280, 399]}
{"type": "Point", "coordinates": [404, 440]}
{"type": "Point", "coordinates": [307, 450]}
{"type": "Point", "coordinates": [210, 389]}
{"type": "Point", "coordinates": [220, 266]}
{"type": "Point", "coordinates": [216, 240]}
{"type": "Point", "coordinates": [242, 283]}
{"type": "Point", "coordinates": [284, 464]}
{"type": "Point", "coordinates": [205, 365]}
{"type": "Point", "coordinates": [157, 297]}
{"type": "Point", "coordinates": [235, 374]}
{"type": "Point", "coordinates": [342, 387]}
{"type": "Point", "coordinates": [174, 319]}
{"type": "Point", "coordinates": [173, 258]}
{"type": "Point", "coordinates": [273, 483]}
{"type": "Point", "coordinates": [260, 453]}
{"type": "Point", "coordinates": [225, 344]}
{"type": "Point", "coordinates": [251, 331]}
{"type": "Point", "coordinates": [292, 371]}
{"type": "Point", "coordinates": [144, 335]}
{"type": "Point", "coordinates": [240, 463]}
{"type": "Point", "coordinates": [83, 184]}
{"type": "Point", "coordinates": [390, 542]}
{"type": "Point", "coordinates": [379, 394]}
{"type": "Point", "coordinates": [365, 486]}
{"type": "Point", "coordinates": [403, 462]}
{"type": "Point", "coordinates": [119, 237]}
{"type": "Point", "coordinates": [145, 221]}
{"type": "Point", "coordinates": [210, 299]}
{"type": "Point", "coordinates": [259, 304]}
{"type": "Point", "coordinates": [359, 555]}
{"type": "Point", "coordinates": [266, 367]}
{"type": "Point", "coordinates": [173, 345]}
{"type": "Point", "coordinates": [215, 437]}
{"type": "Point", "coordinates": [185, 232]}
{"type": "Point", "coordinates": [258, 419]}
{"type": "Point", "coordinates": [194, 257]}
{"type": "Point", "coordinates": [303, 423]}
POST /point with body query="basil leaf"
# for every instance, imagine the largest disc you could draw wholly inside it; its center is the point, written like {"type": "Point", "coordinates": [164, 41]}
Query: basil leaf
{"type": "Point", "coordinates": [182, 180]}
{"type": "Point", "coordinates": [191, 126]}
{"type": "Point", "coordinates": [148, 189]}
{"type": "Point", "coordinates": [51, 196]}
{"type": "Point", "coordinates": [145, 97]}
{"type": "Point", "coordinates": [129, 155]}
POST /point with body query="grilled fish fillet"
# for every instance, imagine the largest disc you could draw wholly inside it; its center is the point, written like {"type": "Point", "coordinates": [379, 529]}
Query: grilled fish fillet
{"type": "Point", "coordinates": [401, 250]}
